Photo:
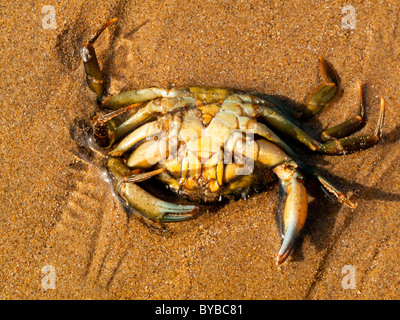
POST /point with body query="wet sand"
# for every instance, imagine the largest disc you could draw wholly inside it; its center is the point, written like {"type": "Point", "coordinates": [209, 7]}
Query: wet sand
{"type": "Point", "coordinates": [57, 211]}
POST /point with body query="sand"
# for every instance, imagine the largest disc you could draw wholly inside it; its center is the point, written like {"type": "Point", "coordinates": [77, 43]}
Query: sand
{"type": "Point", "coordinates": [64, 235]}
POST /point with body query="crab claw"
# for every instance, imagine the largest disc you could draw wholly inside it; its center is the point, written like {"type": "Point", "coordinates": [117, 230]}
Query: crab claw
{"type": "Point", "coordinates": [294, 208]}
{"type": "Point", "coordinates": [149, 206]}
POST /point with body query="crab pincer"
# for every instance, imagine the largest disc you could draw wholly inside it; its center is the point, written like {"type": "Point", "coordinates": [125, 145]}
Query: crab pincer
{"type": "Point", "coordinates": [144, 202]}
{"type": "Point", "coordinates": [294, 208]}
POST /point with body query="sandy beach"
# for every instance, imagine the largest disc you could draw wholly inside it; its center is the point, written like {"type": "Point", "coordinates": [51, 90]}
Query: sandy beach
{"type": "Point", "coordinates": [63, 235]}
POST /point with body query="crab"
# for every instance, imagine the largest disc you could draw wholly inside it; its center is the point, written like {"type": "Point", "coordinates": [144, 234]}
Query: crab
{"type": "Point", "coordinates": [206, 144]}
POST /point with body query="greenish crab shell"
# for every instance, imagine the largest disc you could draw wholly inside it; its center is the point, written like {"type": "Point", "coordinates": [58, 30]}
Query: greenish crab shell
{"type": "Point", "coordinates": [207, 143]}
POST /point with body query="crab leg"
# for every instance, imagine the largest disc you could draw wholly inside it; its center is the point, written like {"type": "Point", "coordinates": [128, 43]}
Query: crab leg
{"type": "Point", "coordinates": [148, 154]}
{"type": "Point", "coordinates": [325, 92]}
{"type": "Point", "coordinates": [349, 126]}
{"type": "Point", "coordinates": [94, 75]}
{"type": "Point", "coordinates": [328, 186]}
{"type": "Point", "coordinates": [127, 98]}
{"type": "Point", "coordinates": [262, 130]}
{"type": "Point", "coordinates": [293, 192]}
{"type": "Point", "coordinates": [294, 198]}
{"type": "Point", "coordinates": [107, 130]}
{"type": "Point", "coordinates": [294, 212]}
{"type": "Point", "coordinates": [342, 130]}
{"type": "Point", "coordinates": [174, 99]}
{"type": "Point", "coordinates": [271, 110]}
{"type": "Point", "coordinates": [351, 144]}
{"type": "Point", "coordinates": [335, 147]}
{"type": "Point", "coordinates": [282, 124]}
{"type": "Point", "coordinates": [147, 130]}
{"type": "Point", "coordinates": [94, 78]}
{"type": "Point", "coordinates": [148, 205]}
{"type": "Point", "coordinates": [139, 175]}
{"type": "Point", "coordinates": [151, 109]}
{"type": "Point", "coordinates": [321, 96]}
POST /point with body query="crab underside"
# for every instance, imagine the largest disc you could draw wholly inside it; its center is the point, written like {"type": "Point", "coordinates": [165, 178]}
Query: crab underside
{"type": "Point", "coordinates": [209, 143]}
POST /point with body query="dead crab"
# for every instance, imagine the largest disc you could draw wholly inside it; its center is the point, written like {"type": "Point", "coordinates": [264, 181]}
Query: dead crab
{"type": "Point", "coordinates": [207, 143]}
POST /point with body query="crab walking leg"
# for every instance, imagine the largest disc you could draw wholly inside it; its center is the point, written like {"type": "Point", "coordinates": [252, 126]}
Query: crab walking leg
{"type": "Point", "coordinates": [335, 147]}
{"type": "Point", "coordinates": [151, 109]}
{"type": "Point", "coordinates": [325, 92]}
{"type": "Point", "coordinates": [339, 131]}
{"type": "Point", "coordinates": [107, 130]}
{"type": "Point", "coordinates": [329, 186]}
{"type": "Point", "coordinates": [138, 175]}
{"type": "Point", "coordinates": [262, 130]}
{"type": "Point", "coordinates": [94, 75]}
{"type": "Point", "coordinates": [94, 78]}
{"type": "Point", "coordinates": [148, 205]}
{"type": "Point", "coordinates": [321, 96]}
{"type": "Point", "coordinates": [140, 116]}
{"type": "Point", "coordinates": [282, 124]}
{"type": "Point", "coordinates": [148, 154]}
{"type": "Point", "coordinates": [279, 106]}
{"type": "Point", "coordinates": [349, 126]}
{"type": "Point", "coordinates": [352, 144]}
{"type": "Point", "coordinates": [343, 129]}
{"type": "Point", "coordinates": [171, 100]}
{"type": "Point", "coordinates": [147, 130]}
{"type": "Point", "coordinates": [127, 98]}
